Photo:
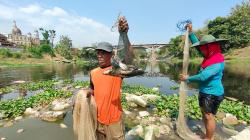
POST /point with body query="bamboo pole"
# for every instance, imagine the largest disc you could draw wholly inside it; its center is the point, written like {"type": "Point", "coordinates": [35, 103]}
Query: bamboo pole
{"type": "Point", "coordinates": [182, 129]}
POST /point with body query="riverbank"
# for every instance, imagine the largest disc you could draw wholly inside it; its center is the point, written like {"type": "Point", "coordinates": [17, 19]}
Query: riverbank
{"type": "Point", "coordinates": [14, 62]}
{"type": "Point", "coordinates": [234, 56]}
{"type": "Point", "coordinates": [144, 108]}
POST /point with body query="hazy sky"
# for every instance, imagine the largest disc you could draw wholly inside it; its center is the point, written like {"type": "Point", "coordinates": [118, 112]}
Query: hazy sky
{"type": "Point", "coordinates": [89, 21]}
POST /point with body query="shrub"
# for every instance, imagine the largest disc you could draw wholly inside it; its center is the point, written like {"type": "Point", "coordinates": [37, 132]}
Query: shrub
{"type": "Point", "coordinates": [5, 53]}
{"type": "Point", "coordinates": [45, 48]}
{"type": "Point", "coordinates": [16, 55]}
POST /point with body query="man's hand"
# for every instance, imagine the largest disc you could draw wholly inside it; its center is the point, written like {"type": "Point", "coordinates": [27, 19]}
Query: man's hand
{"type": "Point", "coordinates": [183, 77]}
{"type": "Point", "coordinates": [87, 91]}
{"type": "Point", "coordinates": [123, 25]}
{"type": "Point", "coordinates": [189, 27]}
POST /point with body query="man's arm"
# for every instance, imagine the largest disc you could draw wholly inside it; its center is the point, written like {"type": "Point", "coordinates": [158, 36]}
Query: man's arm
{"type": "Point", "coordinates": [123, 30]}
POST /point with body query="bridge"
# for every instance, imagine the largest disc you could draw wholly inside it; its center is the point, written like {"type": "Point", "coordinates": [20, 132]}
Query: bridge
{"type": "Point", "coordinates": [151, 47]}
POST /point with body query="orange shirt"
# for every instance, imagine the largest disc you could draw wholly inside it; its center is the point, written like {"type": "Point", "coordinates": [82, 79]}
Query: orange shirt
{"type": "Point", "coordinates": [107, 95]}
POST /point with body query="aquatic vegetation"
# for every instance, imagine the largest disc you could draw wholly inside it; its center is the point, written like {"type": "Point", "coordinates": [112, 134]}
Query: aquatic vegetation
{"type": "Point", "coordinates": [39, 85]}
{"type": "Point", "coordinates": [238, 109]}
{"type": "Point", "coordinates": [81, 83]}
{"type": "Point", "coordinates": [138, 89]}
{"type": "Point", "coordinates": [5, 90]}
{"type": "Point", "coordinates": [174, 87]}
{"type": "Point", "coordinates": [68, 81]}
{"type": "Point", "coordinates": [16, 107]}
{"type": "Point", "coordinates": [168, 105]}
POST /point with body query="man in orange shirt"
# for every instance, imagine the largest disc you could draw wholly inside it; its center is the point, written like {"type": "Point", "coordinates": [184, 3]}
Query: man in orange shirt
{"type": "Point", "coordinates": [107, 93]}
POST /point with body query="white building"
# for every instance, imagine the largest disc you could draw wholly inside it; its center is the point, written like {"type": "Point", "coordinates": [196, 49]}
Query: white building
{"type": "Point", "coordinates": [18, 39]}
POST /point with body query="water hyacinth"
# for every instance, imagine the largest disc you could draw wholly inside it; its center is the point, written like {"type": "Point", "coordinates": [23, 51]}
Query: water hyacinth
{"type": "Point", "coordinates": [166, 105]}
{"type": "Point", "coordinates": [16, 107]}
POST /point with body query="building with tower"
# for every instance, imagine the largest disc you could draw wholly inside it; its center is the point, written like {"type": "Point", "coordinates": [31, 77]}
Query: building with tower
{"type": "Point", "coordinates": [18, 39]}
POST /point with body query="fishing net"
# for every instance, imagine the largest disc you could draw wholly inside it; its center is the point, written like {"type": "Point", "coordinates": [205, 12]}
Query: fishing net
{"type": "Point", "coordinates": [85, 116]}
{"type": "Point", "coordinates": [122, 60]}
{"type": "Point", "coordinates": [182, 129]}
{"type": "Point", "coordinates": [181, 25]}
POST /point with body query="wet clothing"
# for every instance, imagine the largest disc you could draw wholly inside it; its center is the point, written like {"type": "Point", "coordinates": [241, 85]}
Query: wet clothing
{"type": "Point", "coordinates": [107, 95]}
{"type": "Point", "coordinates": [210, 103]}
{"type": "Point", "coordinates": [113, 131]}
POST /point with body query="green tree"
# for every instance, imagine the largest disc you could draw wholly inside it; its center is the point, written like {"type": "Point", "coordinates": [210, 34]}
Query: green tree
{"type": "Point", "coordinates": [64, 47]}
{"type": "Point", "coordinates": [45, 34]}
{"type": "Point", "coordinates": [235, 27]}
{"type": "Point", "coordinates": [52, 35]}
{"type": "Point", "coordinates": [88, 53]}
{"type": "Point", "coordinates": [176, 47]}
{"type": "Point", "coordinates": [48, 36]}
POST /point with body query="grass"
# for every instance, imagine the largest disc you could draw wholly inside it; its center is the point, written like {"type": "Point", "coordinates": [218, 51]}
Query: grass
{"type": "Point", "coordinates": [12, 62]}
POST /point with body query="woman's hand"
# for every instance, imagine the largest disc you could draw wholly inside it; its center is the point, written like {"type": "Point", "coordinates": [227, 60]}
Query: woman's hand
{"type": "Point", "coordinates": [189, 27]}
{"type": "Point", "coordinates": [183, 77]}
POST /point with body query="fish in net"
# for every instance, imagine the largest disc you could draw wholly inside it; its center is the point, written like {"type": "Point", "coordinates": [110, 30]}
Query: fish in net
{"type": "Point", "coordinates": [122, 60]}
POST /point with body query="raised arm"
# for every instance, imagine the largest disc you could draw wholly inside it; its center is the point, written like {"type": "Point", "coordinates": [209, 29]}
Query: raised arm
{"type": "Point", "coordinates": [193, 38]}
{"type": "Point", "coordinates": [123, 30]}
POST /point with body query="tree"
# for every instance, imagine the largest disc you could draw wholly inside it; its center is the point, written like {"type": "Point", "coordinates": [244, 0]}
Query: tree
{"type": "Point", "coordinates": [48, 36]}
{"type": "Point", "coordinates": [52, 37]}
{"type": "Point", "coordinates": [64, 47]}
{"type": "Point", "coordinates": [45, 34]}
{"type": "Point", "coordinates": [88, 53]}
{"type": "Point", "coordinates": [176, 48]}
{"type": "Point", "coordinates": [235, 27]}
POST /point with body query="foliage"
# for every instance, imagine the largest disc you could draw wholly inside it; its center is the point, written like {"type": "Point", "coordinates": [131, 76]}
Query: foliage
{"type": "Point", "coordinates": [178, 45]}
{"type": "Point", "coordinates": [5, 53]}
{"type": "Point", "coordinates": [166, 105]}
{"type": "Point", "coordinates": [16, 54]}
{"type": "Point", "coordinates": [140, 53]}
{"type": "Point", "coordinates": [45, 48]}
{"type": "Point", "coordinates": [235, 27]}
{"type": "Point", "coordinates": [239, 109]}
{"type": "Point", "coordinates": [169, 104]}
{"type": "Point", "coordinates": [88, 54]}
{"type": "Point", "coordinates": [81, 83]}
{"type": "Point", "coordinates": [176, 48]}
{"type": "Point", "coordinates": [138, 89]}
{"type": "Point", "coordinates": [34, 51]}
{"type": "Point", "coordinates": [48, 35]}
{"type": "Point", "coordinates": [5, 90]}
{"type": "Point", "coordinates": [14, 108]}
{"type": "Point", "coordinates": [64, 47]}
{"type": "Point", "coordinates": [39, 85]}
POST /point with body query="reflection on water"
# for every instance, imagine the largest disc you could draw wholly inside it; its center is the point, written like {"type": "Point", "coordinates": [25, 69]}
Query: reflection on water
{"type": "Point", "coordinates": [35, 129]}
{"type": "Point", "coordinates": [159, 74]}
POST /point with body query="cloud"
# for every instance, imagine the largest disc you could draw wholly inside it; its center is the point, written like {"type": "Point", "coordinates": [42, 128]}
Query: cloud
{"type": "Point", "coordinates": [30, 9]}
{"type": "Point", "coordinates": [6, 12]}
{"type": "Point", "coordinates": [56, 11]}
{"type": "Point", "coordinates": [83, 31]}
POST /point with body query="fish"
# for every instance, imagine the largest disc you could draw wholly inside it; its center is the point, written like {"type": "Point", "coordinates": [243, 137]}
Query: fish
{"type": "Point", "coordinates": [122, 60]}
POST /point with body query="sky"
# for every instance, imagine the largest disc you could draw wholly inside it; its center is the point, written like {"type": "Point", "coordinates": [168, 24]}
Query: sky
{"type": "Point", "coordinates": [90, 21]}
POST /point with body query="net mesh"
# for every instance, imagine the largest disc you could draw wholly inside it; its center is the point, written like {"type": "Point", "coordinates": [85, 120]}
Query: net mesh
{"type": "Point", "coordinates": [85, 116]}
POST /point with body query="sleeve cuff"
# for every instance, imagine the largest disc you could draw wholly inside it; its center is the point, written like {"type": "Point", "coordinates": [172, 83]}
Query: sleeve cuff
{"type": "Point", "coordinates": [193, 38]}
